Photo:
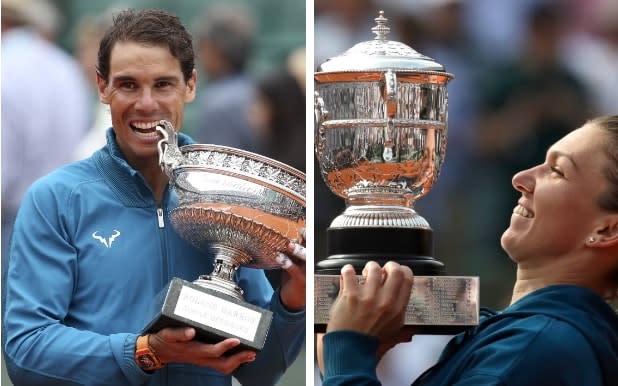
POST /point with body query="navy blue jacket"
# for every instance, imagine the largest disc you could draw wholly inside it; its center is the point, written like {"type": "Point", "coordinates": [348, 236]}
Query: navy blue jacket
{"type": "Point", "coordinates": [558, 335]}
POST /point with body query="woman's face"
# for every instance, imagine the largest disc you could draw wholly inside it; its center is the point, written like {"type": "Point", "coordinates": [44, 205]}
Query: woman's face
{"type": "Point", "coordinates": [558, 209]}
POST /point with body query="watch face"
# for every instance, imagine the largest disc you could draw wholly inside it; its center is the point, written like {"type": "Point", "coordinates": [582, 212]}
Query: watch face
{"type": "Point", "coordinates": [146, 361]}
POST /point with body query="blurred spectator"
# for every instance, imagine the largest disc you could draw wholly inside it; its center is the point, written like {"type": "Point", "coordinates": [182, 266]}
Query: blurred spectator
{"type": "Point", "coordinates": [88, 34]}
{"type": "Point", "coordinates": [592, 54]}
{"type": "Point", "coordinates": [340, 24]}
{"type": "Point", "coordinates": [42, 17]}
{"type": "Point", "coordinates": [498, 27]}
{"type": "Point", "coordinates": [224, 43]}
{"type": "Point", "coordinates": [278, 117]}
{"type": "Point", "coordinates": [45, 109]}
{"type": "Point", "coordinates": [297, 66]}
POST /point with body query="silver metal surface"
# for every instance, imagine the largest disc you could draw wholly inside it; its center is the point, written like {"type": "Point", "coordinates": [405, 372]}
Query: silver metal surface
{"type": "Point", "coordinates": [244, 206]}
{"type": "Point", "coordinates": [435, 300]}
{"type": "Point", "coordinates": [380, 129]}
{"type": "Point", "coordinates": [245, 240]}
{"type": "Point", "coordinates": [380, 54]}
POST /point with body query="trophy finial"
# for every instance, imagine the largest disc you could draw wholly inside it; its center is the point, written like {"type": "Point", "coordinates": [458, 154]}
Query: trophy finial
{"type": "Point", "coordinates": [381, 29]}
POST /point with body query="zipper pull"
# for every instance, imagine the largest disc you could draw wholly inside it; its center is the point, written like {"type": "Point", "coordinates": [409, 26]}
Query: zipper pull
{"type": "Point", "coordinates": [160, 217]}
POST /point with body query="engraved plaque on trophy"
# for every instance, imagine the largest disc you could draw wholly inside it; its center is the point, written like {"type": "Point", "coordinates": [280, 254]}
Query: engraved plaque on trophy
{"type": "Point", "coordinates": [380, 141]}
{"type": "Point", "coordinates": [243, 206]}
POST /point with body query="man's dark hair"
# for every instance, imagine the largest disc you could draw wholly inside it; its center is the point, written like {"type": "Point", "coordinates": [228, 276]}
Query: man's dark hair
{"type": "Point", "coordinates": [232, 30]}
{"type": "Point", "coordinates": [149, 26]}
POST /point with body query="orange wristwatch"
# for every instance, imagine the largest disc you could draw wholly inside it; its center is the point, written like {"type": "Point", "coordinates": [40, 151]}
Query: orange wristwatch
{"type": "Point", "coordinates": [145, 356]}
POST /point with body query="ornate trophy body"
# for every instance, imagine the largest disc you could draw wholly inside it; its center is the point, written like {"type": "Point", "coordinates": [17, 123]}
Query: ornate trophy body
{"type": "Point", "coordinates": [244, 207]}
{"type": "Point", "coordinates": [380, 134]}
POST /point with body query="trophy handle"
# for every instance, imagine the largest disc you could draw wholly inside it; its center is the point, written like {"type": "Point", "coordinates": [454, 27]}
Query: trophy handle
{"type": "Point", "coordinates": [320, 115]}
{"type": "Point", "coordinates": [390, 94]}
{"type": "Point", "coordinates": [390, 112]}
{"type": "Point", "coordinates": [169, 154]}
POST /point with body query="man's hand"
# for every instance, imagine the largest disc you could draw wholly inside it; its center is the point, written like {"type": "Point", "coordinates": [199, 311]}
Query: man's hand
{"type": "Point", "coordinates": [293, 279]}
{"type": "Point", "coordinates": [176, 345]}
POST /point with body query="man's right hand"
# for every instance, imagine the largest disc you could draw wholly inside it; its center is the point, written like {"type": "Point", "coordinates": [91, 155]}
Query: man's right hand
{"type": "Point", "coordinates": [176, 345]}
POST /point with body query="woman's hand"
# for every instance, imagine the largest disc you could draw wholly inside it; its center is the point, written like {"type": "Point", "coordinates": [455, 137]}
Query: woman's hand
{"type": "Point", "coordinates": [374, 306]}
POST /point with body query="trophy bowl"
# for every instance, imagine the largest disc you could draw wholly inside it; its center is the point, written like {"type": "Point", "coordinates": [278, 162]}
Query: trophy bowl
{"type": "Point", "coordinates": [245, 208]}
{"type": "Point", "coordinates": [239, 200]}
{"type": "Point", "coordinates": [380, 130]}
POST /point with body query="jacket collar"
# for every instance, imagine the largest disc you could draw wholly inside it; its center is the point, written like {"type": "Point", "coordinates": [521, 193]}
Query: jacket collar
{"type": "Point", "coordinates": [128, 184]}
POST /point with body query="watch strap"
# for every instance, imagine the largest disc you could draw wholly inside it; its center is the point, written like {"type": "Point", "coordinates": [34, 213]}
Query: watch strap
{"type": "Point", "coordinates": [145, 356]}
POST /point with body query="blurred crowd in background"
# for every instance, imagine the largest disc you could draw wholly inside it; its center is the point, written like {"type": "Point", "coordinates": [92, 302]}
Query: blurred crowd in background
{"type": "Point", "coordinates": [526, 72]}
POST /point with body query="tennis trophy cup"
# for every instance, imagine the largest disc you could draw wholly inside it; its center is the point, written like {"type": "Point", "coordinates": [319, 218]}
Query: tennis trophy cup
{"type": "Point", "coordinates": [243, 207]}
{"type": "Point", "coordinates": [380, 141]}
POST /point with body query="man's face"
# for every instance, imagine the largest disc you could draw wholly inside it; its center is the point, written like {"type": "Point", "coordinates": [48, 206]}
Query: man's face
{"type": "Point", "coordinates": [145, 85]}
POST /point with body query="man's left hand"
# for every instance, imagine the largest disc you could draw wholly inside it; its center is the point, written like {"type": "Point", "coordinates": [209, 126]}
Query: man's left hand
{"type": "Point", "coordinates": [293, 279]}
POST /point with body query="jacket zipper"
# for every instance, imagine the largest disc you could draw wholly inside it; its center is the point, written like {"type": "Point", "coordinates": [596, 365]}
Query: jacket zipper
{"type": "Point", "coordinates": [163, 241]}
{"type": "Point", "coordinates": [160, 218]}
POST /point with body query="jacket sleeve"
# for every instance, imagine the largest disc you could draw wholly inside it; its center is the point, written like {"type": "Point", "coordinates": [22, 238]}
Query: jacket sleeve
{"type": "Point", "coordinates": [40, 349]}
{"type": "Point", "coordinates": [285, 338]}
{"type": "Point", "coordinates": [350, 359]}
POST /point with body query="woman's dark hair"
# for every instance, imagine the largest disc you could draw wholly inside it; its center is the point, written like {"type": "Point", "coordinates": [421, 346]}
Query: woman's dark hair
{"type": "Point", "coordinates": [149, 26]}
{"type": "Point", "coordinates": [609, 124]}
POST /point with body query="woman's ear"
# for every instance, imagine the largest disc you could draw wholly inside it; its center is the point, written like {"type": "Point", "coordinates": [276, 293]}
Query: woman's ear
{"type": "Point", "coordinates": [607, 235]}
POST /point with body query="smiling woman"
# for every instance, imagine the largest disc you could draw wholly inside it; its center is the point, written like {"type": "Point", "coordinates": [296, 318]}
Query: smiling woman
{"type": "Point", "coordinates": [559, 227]}
{"type": "Point", "coordinates": [563, 236]}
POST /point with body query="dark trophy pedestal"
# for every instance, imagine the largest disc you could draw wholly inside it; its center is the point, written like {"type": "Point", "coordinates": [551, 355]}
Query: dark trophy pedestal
{"type": "Point", "coordinates": [357, 246]}
{"type": "Point", "coordinates": [214, 315]}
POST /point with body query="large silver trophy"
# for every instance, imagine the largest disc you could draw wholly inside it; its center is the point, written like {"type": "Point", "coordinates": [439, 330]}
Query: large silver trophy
{"type": "Point", "coordinates": [380, 141]}
{"type": "Point", "coordinates": [243, 206]}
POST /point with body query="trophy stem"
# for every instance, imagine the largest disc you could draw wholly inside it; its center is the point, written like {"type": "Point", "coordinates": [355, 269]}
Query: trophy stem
{"type": "Point", "coordinates": [378, 198]}
{"type": "Point", "coordinates": [227, 262]}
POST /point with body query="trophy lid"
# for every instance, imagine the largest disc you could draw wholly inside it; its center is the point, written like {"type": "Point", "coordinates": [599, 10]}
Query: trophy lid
{"type": "Point", "coordinates": [381, 54]}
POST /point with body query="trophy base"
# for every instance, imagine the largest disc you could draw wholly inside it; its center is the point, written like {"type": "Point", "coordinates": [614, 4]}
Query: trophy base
{"type": "Point", "coordinates": [412, 247]}
{"type": "Point", "coordinates": [215, 316]}
{"type": "Point", "coordinates": [439, 305]}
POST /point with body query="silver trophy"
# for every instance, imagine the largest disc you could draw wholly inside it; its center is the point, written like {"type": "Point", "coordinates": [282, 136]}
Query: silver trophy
{"type": "Point", "coordinates": [380, 141]}
{"type": "Point", "coordinates": [243, 206]}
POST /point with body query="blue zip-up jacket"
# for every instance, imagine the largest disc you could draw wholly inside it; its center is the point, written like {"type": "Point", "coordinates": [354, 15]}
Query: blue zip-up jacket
{"type": "Point", "coordinates": [90, 251]}
{"type": "Point", "coordinates": [556, 336]}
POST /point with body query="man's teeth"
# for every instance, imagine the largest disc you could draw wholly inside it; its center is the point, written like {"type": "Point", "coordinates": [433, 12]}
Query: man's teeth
{"type": "Point", "coordinates": [145, 125]}
{"type": "Point", "coordinates": [520, 210]}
